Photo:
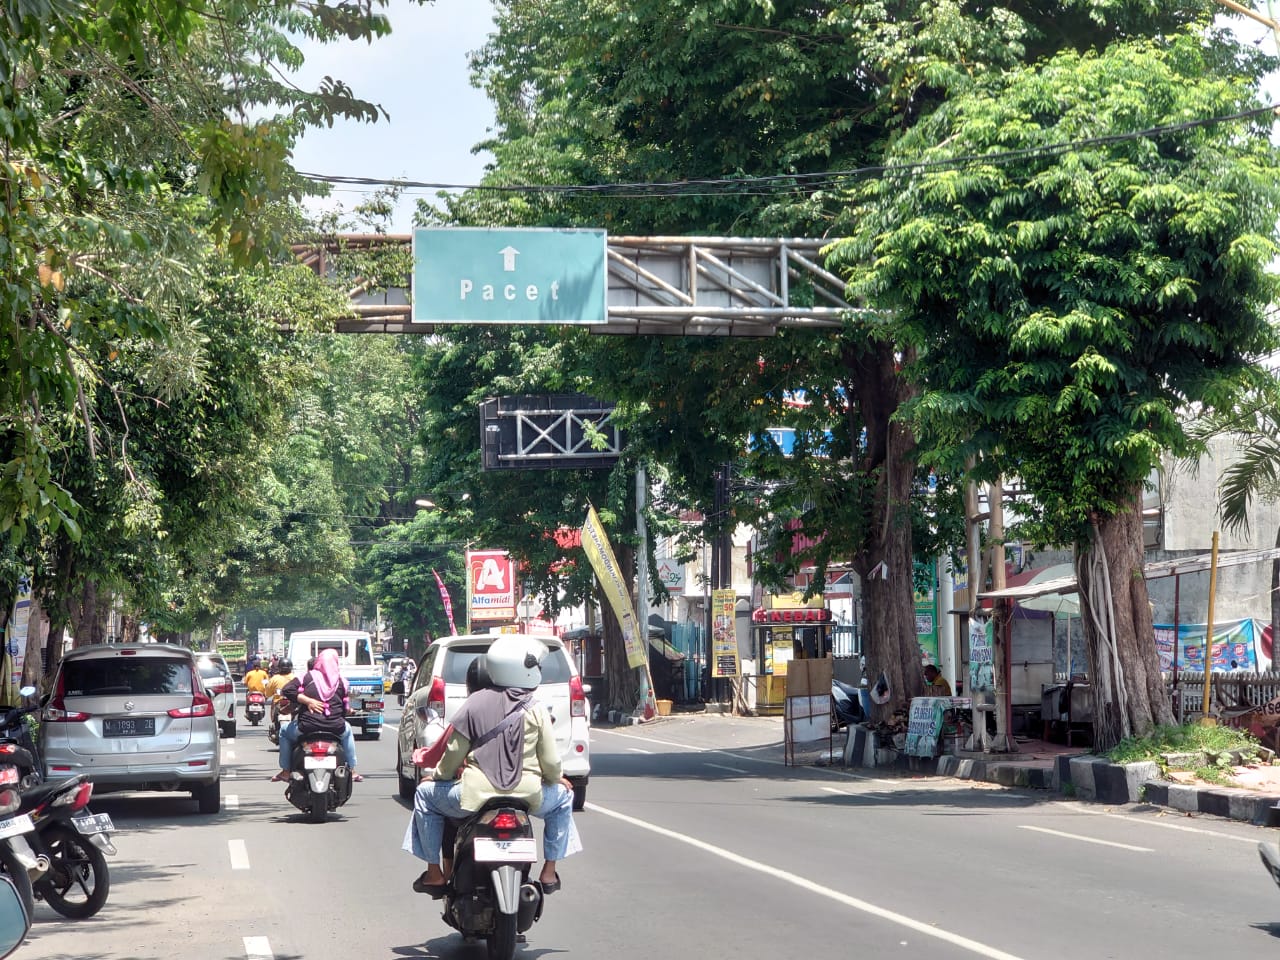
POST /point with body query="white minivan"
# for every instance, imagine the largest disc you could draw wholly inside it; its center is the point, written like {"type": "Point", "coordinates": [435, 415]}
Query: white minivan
{"type": "Point", "coordinates": [355, 659]}
{"type": "Point", "coordinates": [441, 685]}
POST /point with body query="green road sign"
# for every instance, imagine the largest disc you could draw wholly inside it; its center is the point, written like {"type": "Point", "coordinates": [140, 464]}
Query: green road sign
{"type": "Point", "coordinates": [477, 275]}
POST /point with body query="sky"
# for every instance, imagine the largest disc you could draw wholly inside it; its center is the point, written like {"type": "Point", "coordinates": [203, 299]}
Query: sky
{"type": "Point", "coordinates": [420, 75]}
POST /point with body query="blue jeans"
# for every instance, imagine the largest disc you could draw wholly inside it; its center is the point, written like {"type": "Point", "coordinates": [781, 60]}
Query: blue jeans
{"type": "Point", "coordinates": [289, 739]}
{"type": "Point", "coordinates": [436, 800]}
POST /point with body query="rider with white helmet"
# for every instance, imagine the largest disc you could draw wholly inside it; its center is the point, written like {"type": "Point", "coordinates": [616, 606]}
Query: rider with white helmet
{"type": "Point", "coordinates": [509, 749]}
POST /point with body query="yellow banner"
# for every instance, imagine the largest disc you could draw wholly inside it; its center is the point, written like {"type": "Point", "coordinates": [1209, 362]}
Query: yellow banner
{"type": "Point", "coordinates": [600, 554]}
{"type": "Point", "coordinates": [724, 641]}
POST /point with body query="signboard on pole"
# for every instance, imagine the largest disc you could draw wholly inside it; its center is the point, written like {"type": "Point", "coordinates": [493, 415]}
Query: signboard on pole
{"type": "Point", "coordinates": [532, 275]}
{"type": "Point", "coordinates": [491, 585]}
{"type": "Point", "coordinates": [926, 603]}
{"type": "Point", "coordinates": [19, 623]}
{"type": "Point", "coordinates": [724, 639]}
{"type": "Point", "coordinates": [600, 554]}
{"type": "Point", "coordinates": [924, 725]}
{"type": "Point", "coordinates": [981, 666]}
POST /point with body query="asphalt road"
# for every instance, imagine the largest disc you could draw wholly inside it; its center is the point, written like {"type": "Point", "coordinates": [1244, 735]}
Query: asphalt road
{"type": "Point", "coordinates": [700, 843]}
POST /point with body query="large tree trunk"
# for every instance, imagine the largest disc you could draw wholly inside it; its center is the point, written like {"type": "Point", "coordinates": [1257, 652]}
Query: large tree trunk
{"type": "Point", "coordinates": [890, 643]}
{"type": "Point", "coordinates": [1124, 669]}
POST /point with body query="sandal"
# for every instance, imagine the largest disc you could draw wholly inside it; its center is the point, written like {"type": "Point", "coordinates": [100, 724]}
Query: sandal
{"type": "Point", "coordinates": [550, 886]}
{"type": "Point", "coordinates": [357, 778]}
{"type": "Point", "coordinates": [280, 778]}
{"type": "Point", "coordinates": [433, 890]}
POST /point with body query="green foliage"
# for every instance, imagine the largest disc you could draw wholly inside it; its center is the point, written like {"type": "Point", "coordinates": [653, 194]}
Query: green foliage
{"type": "Point", "coordinates": [1192, 738]}
{"type": "Point", "coordinates": [1067, 305]}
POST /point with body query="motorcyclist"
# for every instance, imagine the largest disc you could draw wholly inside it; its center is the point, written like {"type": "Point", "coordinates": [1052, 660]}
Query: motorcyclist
{"type": "Point", "coordinates": [319, 698]}
{"type": "Point", "coordinates": [280, 707]}
{"type": "Point", "coordinates": [515, 756]}
{"type": "Point", "coordinates": [256, 678]}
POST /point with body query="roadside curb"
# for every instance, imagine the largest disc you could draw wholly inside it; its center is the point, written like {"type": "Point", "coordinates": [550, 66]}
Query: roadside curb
{"type": "Point", "coordinates": [995, 771]}
{"type": "Point", "coordinates": [1232, 803]}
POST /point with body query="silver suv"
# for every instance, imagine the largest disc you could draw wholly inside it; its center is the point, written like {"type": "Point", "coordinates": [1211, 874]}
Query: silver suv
{"type": "Point", "coordinates": [133, 716]}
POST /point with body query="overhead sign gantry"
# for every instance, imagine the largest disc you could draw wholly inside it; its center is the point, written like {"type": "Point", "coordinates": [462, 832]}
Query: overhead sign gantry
{"type": "Point", "coordinates": [684, 286]}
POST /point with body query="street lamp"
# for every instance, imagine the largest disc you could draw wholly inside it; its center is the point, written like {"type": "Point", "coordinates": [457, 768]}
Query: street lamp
{"type": "Point", "coordinates": [424, 502]}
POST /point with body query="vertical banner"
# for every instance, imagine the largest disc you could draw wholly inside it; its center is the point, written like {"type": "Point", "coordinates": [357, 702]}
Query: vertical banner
{"type": "Point", "coordinates": [724, 640]}
{"type": "Point", "coordinates": [981, 666]}
{"type": "Point", "coordinates": [926, 603]}
{"type": "Point", "coordinates": [444, 598]}
{"type": "Point", "coordinates": [600, 555]}
{"type": "Point", "coordinates": [491, 585]}
{"type": "Point", "coordinates": [19, 624]}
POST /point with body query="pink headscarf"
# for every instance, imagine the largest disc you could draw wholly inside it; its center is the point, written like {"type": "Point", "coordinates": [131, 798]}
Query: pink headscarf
{"type": "Point", "coordinates": [326, 675]}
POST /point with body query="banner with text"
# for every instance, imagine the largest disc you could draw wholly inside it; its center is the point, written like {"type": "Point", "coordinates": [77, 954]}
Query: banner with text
{"type": "Point", "coordinates": [724, 638]}
{"type": "Point", "coordinates": [1234, 645]}
{"type": "Point", "coordinates": [981, 668]}
{"type": "Point", "coordinates": [600, 555]}
{"type": "Point", "coordinates": [924, 725]}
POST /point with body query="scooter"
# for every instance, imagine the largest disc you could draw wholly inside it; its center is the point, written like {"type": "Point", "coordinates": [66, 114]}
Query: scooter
{"type": "Point", "coordinates": [490, 894]}
{"type": "Point", "coordinates": [276, 721]}
{"type": "Point", "coordinates": [846, 704]}
{"type": "Point", "coordinates": [255, 707]}
{"type": "Point", "coordinates": [319, 779]}
{"type": "Point", "coordinates": [19, 773]}
{"type": "Point", "coordinates": [74, 842]}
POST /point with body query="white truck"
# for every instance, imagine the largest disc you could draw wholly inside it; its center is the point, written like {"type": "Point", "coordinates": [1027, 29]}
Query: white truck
{"type": "Point", "coordinates": [363, 676]}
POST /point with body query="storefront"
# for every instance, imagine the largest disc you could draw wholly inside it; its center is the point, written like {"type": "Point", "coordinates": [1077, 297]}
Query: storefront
{"type": "Point", "coordinates": [786, 628]}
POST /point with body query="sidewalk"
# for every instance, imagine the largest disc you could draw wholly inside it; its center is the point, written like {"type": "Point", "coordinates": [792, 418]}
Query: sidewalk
{"type": "Point", "coordinates": [1035, 765]}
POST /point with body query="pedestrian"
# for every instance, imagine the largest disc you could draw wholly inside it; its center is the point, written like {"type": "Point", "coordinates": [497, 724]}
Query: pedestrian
{"type": "Point", "coordinates": [935, 684]}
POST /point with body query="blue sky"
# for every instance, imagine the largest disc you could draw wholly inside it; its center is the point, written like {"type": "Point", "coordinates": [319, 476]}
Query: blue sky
{"type": "Point", "coordinates": [420, 75]}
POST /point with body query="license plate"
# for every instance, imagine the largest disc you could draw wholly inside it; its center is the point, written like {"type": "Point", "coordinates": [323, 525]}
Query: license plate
{"type": "Point", "coordinates": [94, 823]}
{"type": "Point", "coordinates": [320, 763]}
{"type": "Point", "coordinates": [521, 850]}
{"type": "Point", "coordinates": [16, 825]}
{"type": "Point", "coordinates": [129, 727]}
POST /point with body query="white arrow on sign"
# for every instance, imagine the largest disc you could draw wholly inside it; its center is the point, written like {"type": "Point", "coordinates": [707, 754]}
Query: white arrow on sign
{"type": "Point", "coordinates": [509, 258]}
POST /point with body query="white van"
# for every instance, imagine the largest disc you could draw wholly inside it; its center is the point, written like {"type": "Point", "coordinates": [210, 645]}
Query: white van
{"type": "Point", "coordinates": [363, 675]}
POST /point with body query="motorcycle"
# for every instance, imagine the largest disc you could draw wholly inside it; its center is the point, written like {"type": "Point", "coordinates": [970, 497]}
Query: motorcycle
{"type": "Point", "coordinates": [18, 773]}
{"type": "Point", "coordinates": [846, 704]}
{"type": "Point", "coordinates": [320, 779]}
{"type": "Point", "coordinates": [277, 720]}
{"type": "Point", "coordinates": [255, 707]}
{"type": "Point", "coordinates": [73, 843]}
{"type": "Point", "coordinates": [490, 894]}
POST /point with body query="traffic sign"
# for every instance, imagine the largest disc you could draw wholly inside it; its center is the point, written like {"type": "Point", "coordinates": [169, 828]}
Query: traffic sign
{"type": "Point", "coordinates": [535, 275]}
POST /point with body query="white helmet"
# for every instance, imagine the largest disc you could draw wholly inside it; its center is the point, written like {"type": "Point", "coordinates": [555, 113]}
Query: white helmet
{"type": "Point", "coordinates": [515, 661]}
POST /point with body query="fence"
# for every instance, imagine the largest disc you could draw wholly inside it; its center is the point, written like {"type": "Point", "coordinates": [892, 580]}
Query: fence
{"type": "Point", "coordinates": [1229, 693]}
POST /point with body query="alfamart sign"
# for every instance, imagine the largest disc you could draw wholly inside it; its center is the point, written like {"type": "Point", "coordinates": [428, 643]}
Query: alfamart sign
{"type": "Point", "coordinates": [531, 276]}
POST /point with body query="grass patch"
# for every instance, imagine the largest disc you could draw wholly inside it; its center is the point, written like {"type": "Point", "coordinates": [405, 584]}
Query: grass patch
{"type": "Point", "coordinates": [1191, 738]}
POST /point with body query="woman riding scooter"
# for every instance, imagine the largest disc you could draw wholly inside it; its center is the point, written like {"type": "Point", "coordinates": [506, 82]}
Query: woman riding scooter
{"type": "Point", "coordinates": [515, 756]}
{"type": "Point", "coordinates": [320, 701]}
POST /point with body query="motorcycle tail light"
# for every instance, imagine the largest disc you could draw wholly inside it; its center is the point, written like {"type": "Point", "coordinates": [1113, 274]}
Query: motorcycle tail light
{"type": "Point", "coordinates": [75, 799]}
{"type": "Point", "coordinates": [10, 800]}
{"type": "Point", "coordinates": [321, 748]}
{"type": "Point", "coordinates": [8, 775]}
{"type": "Point", "coordinates": [504, 819]}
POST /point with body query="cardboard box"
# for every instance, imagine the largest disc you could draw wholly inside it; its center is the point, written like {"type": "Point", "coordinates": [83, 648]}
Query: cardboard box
{"type": "Point", "coordinates": [809, 678]}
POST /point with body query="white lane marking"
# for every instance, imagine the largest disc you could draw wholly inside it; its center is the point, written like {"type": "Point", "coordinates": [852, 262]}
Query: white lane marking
{"type": "Point", "coordinates": [928, 930]}
{"type": "Point", "coordinates": [231, 801]}
{"type": "Point", "coordinates": [239, 854]}
{"type": "Point", "coordinates": [747, 758]}
{"type": "Point", "coordinates": [721, 766]}
{"type": "Point", "coordinates": [230, 742]}
{"type": "Point", "coordinates": [228, 774]}
{"type": "Point", "coordinates": [257, 948]}
{"type": "Point", "coordinates": [638, 750]}
{"type": "Point", "coordinates": [392, 726]}
{"type": "Point", "coordinates": [1083, 839]}
{"type": "Point", "coordinates": [1130, 818]}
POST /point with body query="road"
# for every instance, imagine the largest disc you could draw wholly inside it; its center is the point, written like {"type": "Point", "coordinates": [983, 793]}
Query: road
{"type": "Point", "coordinates": [699, 843]}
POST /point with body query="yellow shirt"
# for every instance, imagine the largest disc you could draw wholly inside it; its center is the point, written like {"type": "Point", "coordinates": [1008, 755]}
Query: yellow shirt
{"type": "Point", "coordinates": [541, 765]}
{"type": "Point", "coordinates": [256, 680]}
{"type": "Point", "coordinates": [275, 684]}
{"type": "Point", "coordinates": [938, 688]}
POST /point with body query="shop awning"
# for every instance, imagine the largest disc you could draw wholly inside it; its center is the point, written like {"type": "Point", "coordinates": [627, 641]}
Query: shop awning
{"type": "Point", "coordinates": [1155, 570]}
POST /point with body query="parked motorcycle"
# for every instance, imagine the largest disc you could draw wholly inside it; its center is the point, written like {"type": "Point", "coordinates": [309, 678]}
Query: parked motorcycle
{"type": "Point", "coordinates": [490, 894]}
{"type": "Point", "coordinates": [846, 704]}
{"type": "Point", "coordinates": [19, 772]}
{"type": "Point", "coordinates": [255, 707]}
{"type": "Point", "coordinates": [320, 779]}
{"type": "Point", "coordinates": [74, 843]}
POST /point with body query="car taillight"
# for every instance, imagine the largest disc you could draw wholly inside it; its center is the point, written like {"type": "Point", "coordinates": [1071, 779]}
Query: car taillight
{"type": "Point", "coordinates": [435, 698]}
{"type": "Point", "coordinates": [577, 699]}
{"type": "Point", "coordinates": [56, 710]}
{"type": "Point", "coordinates": [201, 706]}
{"type": "Point", "coordinates": [321, 748]}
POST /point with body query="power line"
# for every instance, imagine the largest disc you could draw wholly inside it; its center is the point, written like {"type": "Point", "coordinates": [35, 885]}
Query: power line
{"type": "Point", "coordinates": [794, 182]}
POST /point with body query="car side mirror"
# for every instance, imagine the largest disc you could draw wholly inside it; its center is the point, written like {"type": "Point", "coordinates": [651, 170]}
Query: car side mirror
{"type": "Point", "coordinates": [14, 921]}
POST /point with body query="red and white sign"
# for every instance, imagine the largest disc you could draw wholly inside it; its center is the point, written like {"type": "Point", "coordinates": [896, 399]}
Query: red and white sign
{"type": "Point", "coordinates": [491, 585]}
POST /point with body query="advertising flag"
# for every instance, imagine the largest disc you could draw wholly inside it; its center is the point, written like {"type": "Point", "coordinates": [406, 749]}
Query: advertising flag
{"type": "Point", "coordinates": [600, 554]}
{"type": "Point", "coordinates": [444, 598]}
{"type": "Point", "coordinates": [724, 641]}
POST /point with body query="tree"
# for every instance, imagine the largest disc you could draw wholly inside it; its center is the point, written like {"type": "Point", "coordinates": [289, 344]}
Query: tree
{"type": "Point", "coordinates": [1069, 292]}
{"type": "Point", "coordinates": [679, 96]}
